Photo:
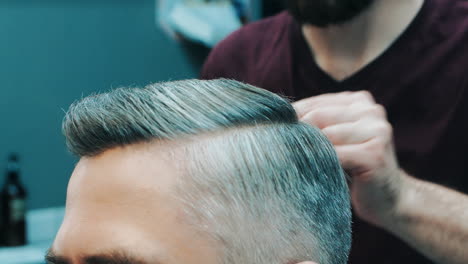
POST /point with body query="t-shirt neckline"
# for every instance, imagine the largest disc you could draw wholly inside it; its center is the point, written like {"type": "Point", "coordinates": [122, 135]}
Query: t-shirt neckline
{"type": "Point", "coordinates": [304, 58]}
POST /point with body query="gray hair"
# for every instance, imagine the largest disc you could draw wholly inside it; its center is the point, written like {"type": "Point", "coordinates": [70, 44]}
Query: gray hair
{"type": "Point", "coordinates": [266, 186]}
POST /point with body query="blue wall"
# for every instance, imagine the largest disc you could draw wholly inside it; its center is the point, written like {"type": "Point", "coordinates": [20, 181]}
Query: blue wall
{"type": "Point", "coordinates": [54, 52]}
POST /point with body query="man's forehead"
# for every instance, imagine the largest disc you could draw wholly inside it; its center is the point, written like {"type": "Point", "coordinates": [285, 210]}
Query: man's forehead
{"type": "Point", "coordinates": [124, 183]}
{"type": "Point", "coordinates": [126, 198]}
{"type": "Point", "coordinates": [142, 167]}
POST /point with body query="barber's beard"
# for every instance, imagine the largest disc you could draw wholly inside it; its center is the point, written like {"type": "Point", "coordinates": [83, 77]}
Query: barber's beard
{"type": "Point", "coordinates": [323, 13]}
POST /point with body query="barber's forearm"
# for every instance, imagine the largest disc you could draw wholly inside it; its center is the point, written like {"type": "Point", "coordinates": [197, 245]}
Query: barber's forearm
{"type": "Point", "coordinates": [433, 219]}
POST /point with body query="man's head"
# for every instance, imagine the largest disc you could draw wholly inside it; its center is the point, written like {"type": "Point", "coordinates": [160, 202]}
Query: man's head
{"type": "Point", "coordinates": [323, 13]}
{"type": "Point", "coordinates": [213, 172]}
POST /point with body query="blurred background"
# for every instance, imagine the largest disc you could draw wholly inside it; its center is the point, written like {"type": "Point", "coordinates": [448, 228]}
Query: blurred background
{"type": "Point", "coordinates": [53, 52]}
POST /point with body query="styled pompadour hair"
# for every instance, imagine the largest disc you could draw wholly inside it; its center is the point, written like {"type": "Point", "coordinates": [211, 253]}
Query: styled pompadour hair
{"type": "Point", "coordinates": [267, 187]}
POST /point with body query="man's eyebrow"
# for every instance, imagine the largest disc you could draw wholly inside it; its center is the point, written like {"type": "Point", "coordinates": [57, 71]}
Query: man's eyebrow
{"type": "Point", "coordinates": [50, 257]}
{"type": "Point", "coordinates": [114, 257]}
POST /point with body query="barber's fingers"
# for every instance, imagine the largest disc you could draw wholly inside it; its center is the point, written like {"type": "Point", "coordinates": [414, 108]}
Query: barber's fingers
{"type": "Point", "coordinates": [358, 132]}
{"type": "Point", "coordinates": [359, 159]}
{"type": "Point", "coordinates": [332, 115]}
{"type": "Point", "coordinates": [304, 106]}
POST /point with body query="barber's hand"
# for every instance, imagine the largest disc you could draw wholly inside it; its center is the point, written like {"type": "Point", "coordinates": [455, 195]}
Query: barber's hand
{"type": "Point", "coordinates": [362, 136]}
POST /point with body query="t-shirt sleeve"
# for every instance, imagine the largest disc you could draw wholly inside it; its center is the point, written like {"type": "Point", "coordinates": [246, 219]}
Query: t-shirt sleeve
{"type": "Point", "coordinates": [226, 59]}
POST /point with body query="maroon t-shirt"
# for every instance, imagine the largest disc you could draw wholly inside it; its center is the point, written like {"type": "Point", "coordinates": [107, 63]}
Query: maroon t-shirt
{"type": "Point", "coordinates": [421, 79]}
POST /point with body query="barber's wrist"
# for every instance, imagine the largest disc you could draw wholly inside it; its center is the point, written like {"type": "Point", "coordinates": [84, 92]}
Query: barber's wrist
{"type": "Point", "coordinates": [376, 198]}
{"type": "Point", "coordinates": [403, 204]}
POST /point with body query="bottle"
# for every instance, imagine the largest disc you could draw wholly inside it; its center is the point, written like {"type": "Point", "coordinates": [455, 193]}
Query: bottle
{"type": "Point", "coordinates": [13, 212]}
